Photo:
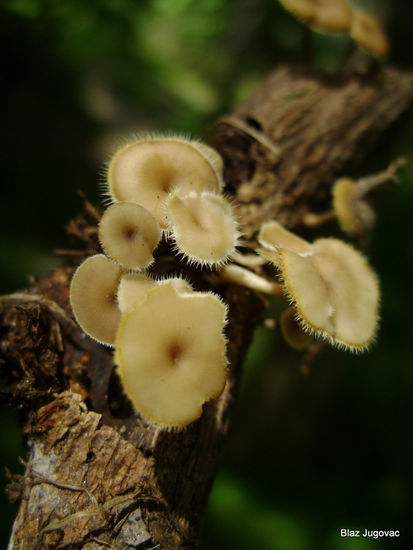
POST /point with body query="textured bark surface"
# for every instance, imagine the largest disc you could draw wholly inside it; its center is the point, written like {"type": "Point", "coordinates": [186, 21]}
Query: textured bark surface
{"type": "Point", "coordinates": [97, 476]}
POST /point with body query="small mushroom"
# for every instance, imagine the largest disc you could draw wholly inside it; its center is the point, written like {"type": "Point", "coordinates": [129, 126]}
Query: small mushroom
{"type": "Point", "coordinates": [170, 352]}
{"type": "Point", "coordinates": [203, 226]}
{"type": "Point", "coordinates": [367, 32]}
{"type": "Point", "coordinates": [328, 16]}
{"type": "Point", "coordinates": [148, 169]}
{"type": "Point", "coordinates": [129, 234]}
{"type": "Point", "coordinates": [354, 214]}
{"type": "Point", "coordinates": [334, 290]}
{"type": "Point", "coordinates": [93, 292]}
{"type": "Point", "coordinates": [292, 331]}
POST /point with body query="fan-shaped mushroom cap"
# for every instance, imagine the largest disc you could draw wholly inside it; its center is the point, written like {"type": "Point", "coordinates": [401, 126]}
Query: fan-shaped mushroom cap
{"type": "Point", "coordinates": [93, 298]}
{"type": "Point", "coordinates": [353, 214]}
{"type": "Point", "coordinates": [367, 32]}
{"type": "Point", "coordinates": [335, 292]}
{"type": "Point", "coordinates": [171, 363]}
{"type": "Point", "coordinates": [147, 170]}
{"type": "Point", "coordinates": [292, 331]}
{"type": "Point", "coordinates": [203, 226]}
{"type": "Point", "coordinates": [331, 16]}
{"type": "Point", "coordinates": [129, 234]}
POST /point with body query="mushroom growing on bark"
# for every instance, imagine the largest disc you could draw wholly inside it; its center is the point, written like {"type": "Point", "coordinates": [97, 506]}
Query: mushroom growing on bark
{"type": "Point", "coordinates": [334, 290]}
{"type": "Point", "coordinates": [171, 363]}
{"type": "Point", "coordinates": [129, 234]}
{"type": "Point", "coordinates": [203, 226]}
{"type": "Point", "coordinates": [93, 291]}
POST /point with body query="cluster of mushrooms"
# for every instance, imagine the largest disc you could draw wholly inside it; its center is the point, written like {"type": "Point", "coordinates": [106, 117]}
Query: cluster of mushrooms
{"type": "Point", "coordinates": [341, 17]}
{"type": "Point", "coordinates": [170, 346]}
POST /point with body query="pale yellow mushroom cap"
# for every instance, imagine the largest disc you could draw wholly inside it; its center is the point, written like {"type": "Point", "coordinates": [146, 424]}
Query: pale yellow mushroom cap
{"type": "Point", "coordinates": [331, 16]}
{"type": "Point", "coordinates": [273, 234]}
{"type": "Point", "coordinates": [353, 214]}
{"type": "Point", "coordinates": [335, 291]}
{"type": "Point", "coordinates": [147, 170]}
{"type": "Point", "coordinates": [368, 33]}
{"type": "Point", "coordinates": [133, 287]}
{"type": "Point", "coordinates": [170, 352]}
{"type": "Point", "coordinates": [93, 298]}
{"type": "Point", "coordinates": [303, 9]}
{"type": "Point", "coordinates": [344, 196]}
{"type": "Point", "coordinates": [129, 234]}
{"type": "Point", "coordinates": [203, 226]}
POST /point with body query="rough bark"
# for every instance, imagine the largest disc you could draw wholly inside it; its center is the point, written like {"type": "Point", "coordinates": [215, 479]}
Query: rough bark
{"type": "Point", "coordinates": [98, 476]}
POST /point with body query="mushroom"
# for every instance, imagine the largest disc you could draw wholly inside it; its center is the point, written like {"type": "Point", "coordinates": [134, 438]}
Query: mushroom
{"type": "Point", "coordinates": [329, 16]}
{"type": "Point", "coordinates": [203, 226]}
{"type": "Point", "coordinates": [93, 292]}
{"type": "Point", "coordinates": [170, 363]}
{"type": "Point", "coordinates": [129, 234]}
{"type": "Point", "coordinates": [292, 331]}
{"type": "Point", "coordinates": [149, 168]}
{"type": "Point", "coordinates": [368, 33]}
{"type": "Point", "coordinates": [334, 290]}
{"type": "Point", "coordinates": [353, 213]}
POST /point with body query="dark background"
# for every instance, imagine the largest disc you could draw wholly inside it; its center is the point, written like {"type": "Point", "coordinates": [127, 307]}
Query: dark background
{"type": "Point", "coordinates": [309, 454]}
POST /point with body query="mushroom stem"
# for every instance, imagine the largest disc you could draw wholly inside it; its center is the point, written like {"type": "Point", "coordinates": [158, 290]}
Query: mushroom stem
{"type": "Point", "coordinates": [367, 184]}
{"type": "Point", "coordinates": [248, 260]}
{"type": "Point", "coordinates": [312, 219]}
{"type": "Point", "coordinates": [239, 275]}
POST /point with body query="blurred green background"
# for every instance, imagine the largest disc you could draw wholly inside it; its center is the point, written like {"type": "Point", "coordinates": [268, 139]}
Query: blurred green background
{"type": "Point", "coordinates": [309, 454]}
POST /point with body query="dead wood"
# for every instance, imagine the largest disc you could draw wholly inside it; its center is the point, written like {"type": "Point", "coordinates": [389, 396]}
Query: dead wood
{"type": "Point", "coordinates": [97, 476]}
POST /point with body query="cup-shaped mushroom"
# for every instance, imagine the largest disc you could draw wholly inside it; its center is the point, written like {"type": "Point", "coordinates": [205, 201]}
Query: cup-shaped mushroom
{"type": "Point", "coordinates": [203, 226]}
{"type": "Point", "coordinates": [292, 330]}
{"type": "Point", "coordinates": [367, 32]}
{"type": "Point", "coordinates": [353, 213]}
{"type": "Point", "coordinates": [147, 170]}
{"type": "Point", "coordinates": [93, 292]}
{"type": "Point", "coordinates": [335, 292]}
{"type": "Point", "coordinates": [129, 234]}
{"type": "Point", "coordinates": [170, 352]}
{"type": "Point", "coordinates": [328, 16]}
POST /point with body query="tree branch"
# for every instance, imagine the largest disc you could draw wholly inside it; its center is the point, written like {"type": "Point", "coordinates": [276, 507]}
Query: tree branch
{"type": "Point", "coordinates": [97, 475]}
